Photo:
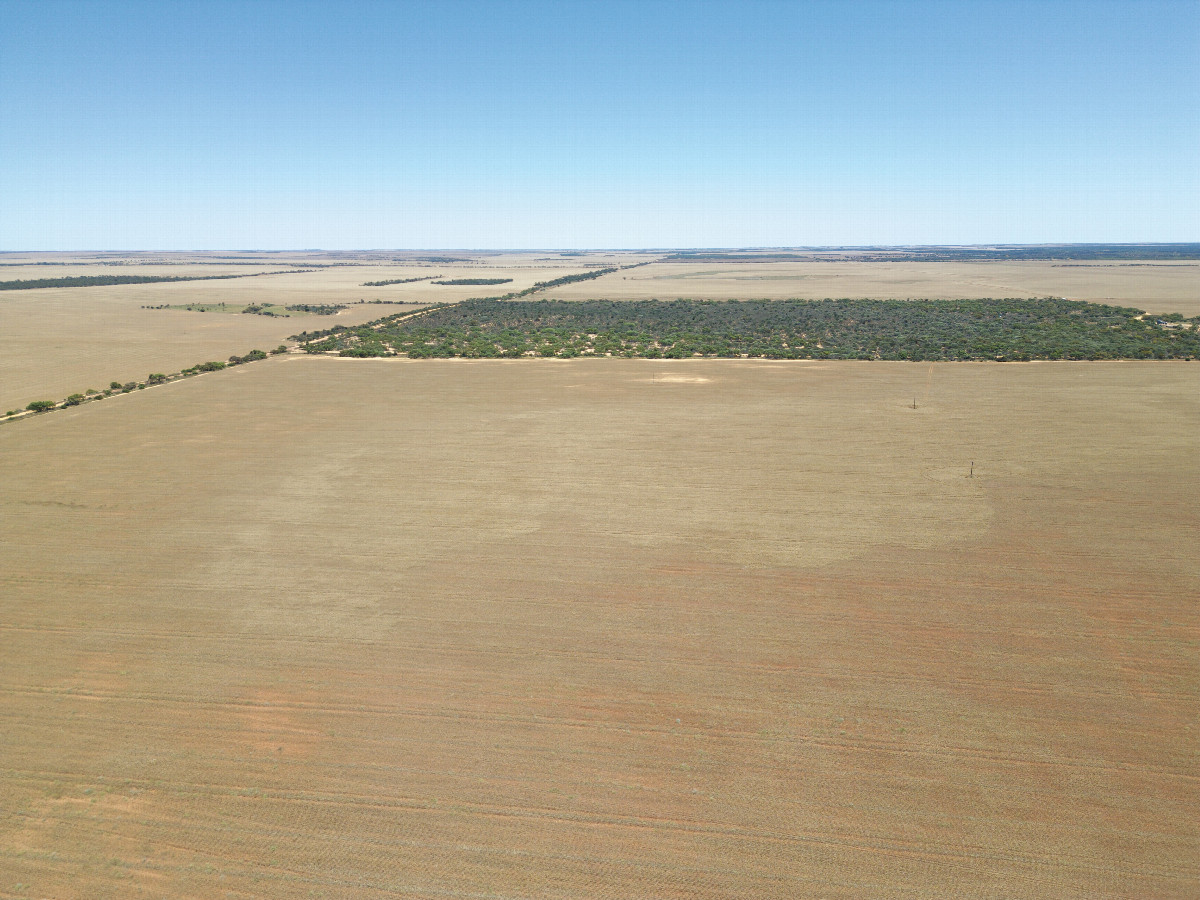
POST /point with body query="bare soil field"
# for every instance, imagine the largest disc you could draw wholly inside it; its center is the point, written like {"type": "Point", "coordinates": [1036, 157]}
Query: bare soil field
{"type": "Point", "coordinates": [322, 627]}
{"type": "Point", "coordinates": [1159, 287]}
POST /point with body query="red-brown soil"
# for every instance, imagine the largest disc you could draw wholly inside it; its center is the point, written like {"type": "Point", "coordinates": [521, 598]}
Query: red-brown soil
{"type": "Point", "coordinates": [330, 628]}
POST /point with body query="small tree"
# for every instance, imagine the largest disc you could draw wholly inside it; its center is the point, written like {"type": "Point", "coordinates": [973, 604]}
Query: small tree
{"type": "Point", "coordinates": [38, 406]}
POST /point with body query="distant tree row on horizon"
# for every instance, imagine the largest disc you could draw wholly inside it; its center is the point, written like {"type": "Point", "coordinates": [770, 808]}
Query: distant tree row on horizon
{"type": "Point", "coordinates": [104, 280]}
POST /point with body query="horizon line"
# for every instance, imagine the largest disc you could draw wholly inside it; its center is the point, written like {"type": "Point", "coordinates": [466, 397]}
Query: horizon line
{"type": "Point", "coordinates": [664, 249]}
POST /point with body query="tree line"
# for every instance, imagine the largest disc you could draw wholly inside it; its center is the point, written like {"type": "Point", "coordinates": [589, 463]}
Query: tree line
{"type": "Point", "coordinates": [154, 378]}
{"type": "Point", "coordinates": [400, 281]}
{"type": "Point", "coordinates": [475, 281]}
{"type": "Point", "coordinates": [101, 280]}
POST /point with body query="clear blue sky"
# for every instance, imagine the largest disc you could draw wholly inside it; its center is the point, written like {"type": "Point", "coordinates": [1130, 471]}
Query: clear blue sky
{"type": "Point", "coordinates": [261, 125]}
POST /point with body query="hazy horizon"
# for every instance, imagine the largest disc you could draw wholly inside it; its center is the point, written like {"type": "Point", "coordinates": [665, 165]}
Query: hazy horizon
{"type": "Point", "coordinates": [615, 249]}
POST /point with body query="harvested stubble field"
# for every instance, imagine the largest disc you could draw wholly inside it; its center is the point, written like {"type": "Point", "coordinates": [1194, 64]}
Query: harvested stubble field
{"type": "Point", "coordinates": [1158, 287]}
{"type": "Point", "coordinates": [57, 341]}
{"type": "Point", "coordinates": [606, 628]}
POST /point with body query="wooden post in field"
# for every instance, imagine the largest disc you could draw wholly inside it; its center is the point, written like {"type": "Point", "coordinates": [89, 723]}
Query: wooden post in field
{"type": "Point", "coordinates": [972, 472]}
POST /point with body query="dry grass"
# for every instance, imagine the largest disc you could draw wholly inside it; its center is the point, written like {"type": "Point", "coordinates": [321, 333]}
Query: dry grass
{"type": "Point", "coordinates": [56, 341]}
{"type": "Point", "coordinates": [1156, 287]}
{"type": "Point", "coordinates": [322, 627]}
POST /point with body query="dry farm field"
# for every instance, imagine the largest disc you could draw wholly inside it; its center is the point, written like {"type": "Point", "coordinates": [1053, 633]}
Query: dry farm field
{"type": "Point", "coordinates": [320, 627]}
{"type": "Point", "coordinates": [1158, 287]}
{"type": "Point", "coordinates": [57, 341]}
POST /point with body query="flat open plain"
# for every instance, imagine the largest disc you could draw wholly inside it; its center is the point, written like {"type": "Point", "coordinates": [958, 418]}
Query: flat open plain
{"type": "Point", "coordinates": [1158, 287]}
{"type": "Point", "coordinates": [318, 627]}
{"type": "Point", "coordinates": [58, 341]}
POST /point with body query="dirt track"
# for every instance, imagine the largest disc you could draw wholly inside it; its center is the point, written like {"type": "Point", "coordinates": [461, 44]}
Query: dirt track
{"type": "Point", "coordinates": [314, 627]}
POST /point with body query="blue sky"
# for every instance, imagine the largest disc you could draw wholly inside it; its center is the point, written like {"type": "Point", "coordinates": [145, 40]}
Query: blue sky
{"type": "Point", "coordinates": [651, 124]}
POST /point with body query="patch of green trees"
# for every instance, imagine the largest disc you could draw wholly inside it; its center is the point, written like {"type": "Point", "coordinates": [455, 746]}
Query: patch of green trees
{"type": "Point", "coordinates": [924, 330]}
{"type": "Point", "coordinates": [316, 309]}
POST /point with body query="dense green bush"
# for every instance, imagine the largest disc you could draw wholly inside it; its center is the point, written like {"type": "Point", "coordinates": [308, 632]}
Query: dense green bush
{"type": "Point", "coordinates": [317, 309]}
{"type": "Point", "coordinates": [987, 329]}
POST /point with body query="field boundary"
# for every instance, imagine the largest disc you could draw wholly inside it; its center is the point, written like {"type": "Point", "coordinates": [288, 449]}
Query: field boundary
{"type": "Point", "coordinates": [116, 389]}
